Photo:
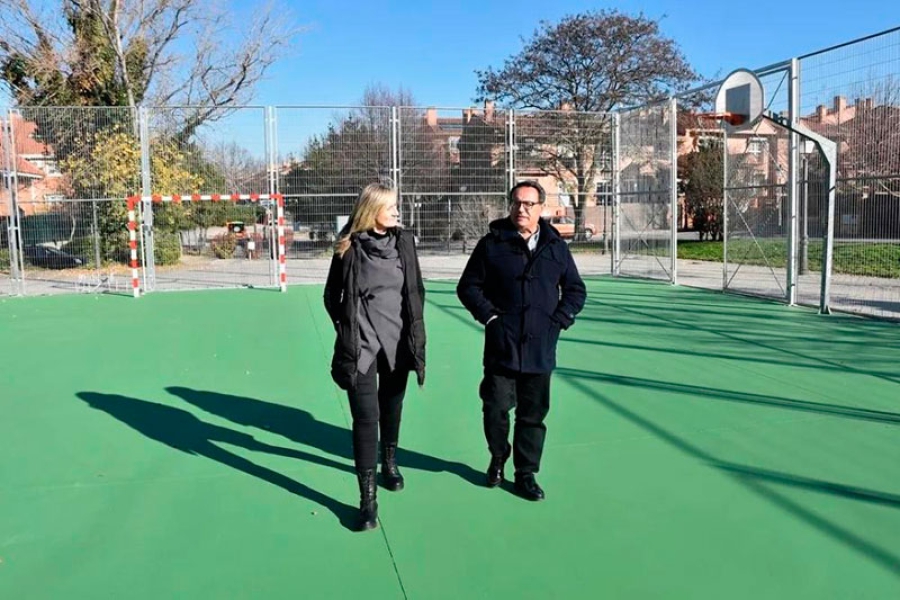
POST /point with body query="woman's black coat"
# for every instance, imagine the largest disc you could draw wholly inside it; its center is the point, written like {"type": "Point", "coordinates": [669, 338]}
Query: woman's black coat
{"type": "Point", "coordinates": [342, 303]}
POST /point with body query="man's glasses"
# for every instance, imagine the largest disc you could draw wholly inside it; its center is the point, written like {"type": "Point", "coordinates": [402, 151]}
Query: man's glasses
{"type": "Point", "coordinates": [527, 206]}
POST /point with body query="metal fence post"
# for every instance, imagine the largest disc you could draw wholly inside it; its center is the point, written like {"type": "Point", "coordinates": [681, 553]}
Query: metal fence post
{"type": "Point", "coordinates": [8, 163]}
{"type": "Point", "coordinates": [95, 234]}
{"type": "Point", "coordinates": [792, 184]}
{"type": "Point", "coordinates": [271, 148]}
{"type": "Point", "coordinates": [14, 230]}
{"type": "Point", "coordinates": [396, 156]}
{"type": "Point", "coordinates": [830, 154]}
{"type": "Point", "coordinates": [146, 213]}
{"type": "Point", "coordinates": [617, 195]}
{"type": "Point", "coordinates": [510, 149]}
{"type": "Point", "coordinates": [673, 184]}
{"type": "Point", "coordinates": [724, 208]}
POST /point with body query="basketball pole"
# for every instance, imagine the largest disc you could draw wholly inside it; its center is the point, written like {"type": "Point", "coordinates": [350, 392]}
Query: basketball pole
{"type": "Point", "coordinates": [741, 94]}
{"type": "Point", "coordinates": [828, 150]}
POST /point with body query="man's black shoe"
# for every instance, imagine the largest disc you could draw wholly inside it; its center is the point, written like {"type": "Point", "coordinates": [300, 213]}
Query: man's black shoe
{"type": "Point", "coordinates": [528, 488]}
{"type": "Point", "coordinates": [495, 470]}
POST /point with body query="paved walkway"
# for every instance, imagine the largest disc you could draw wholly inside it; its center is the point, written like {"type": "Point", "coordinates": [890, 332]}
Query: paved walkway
{"type": "Point", "coordinates": [870, 296]}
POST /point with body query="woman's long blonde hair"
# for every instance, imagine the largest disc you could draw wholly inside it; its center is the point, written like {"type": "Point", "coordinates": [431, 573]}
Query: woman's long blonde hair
{"type": "Point", "coordinates": [371, 201]}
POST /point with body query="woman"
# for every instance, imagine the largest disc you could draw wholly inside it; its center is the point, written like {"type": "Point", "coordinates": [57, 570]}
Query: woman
{"type": "Point", "coordinates": [375, 298]}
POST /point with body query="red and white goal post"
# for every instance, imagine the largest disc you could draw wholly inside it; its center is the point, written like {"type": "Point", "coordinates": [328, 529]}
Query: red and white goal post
{"type": "Point", "coordinates": [134, 201]}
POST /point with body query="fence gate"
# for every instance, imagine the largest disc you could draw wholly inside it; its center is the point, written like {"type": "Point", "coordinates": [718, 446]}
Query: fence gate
{"type": "Point", "coordinates": [757, 216]}
{"type": "Point", "coordinates": [646, 205]}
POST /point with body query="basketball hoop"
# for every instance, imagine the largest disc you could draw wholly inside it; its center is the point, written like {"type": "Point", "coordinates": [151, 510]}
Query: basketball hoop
{"type": "Point", "coordinates": [733, 119]}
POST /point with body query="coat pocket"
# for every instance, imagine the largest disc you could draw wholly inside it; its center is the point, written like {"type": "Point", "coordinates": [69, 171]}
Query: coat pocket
{"type": "Point", "coordinates": [344, 360]}
{"type": "Point", "coordinates": [496, 344]}
{"type": "Point", "coordinates": [553, 332]}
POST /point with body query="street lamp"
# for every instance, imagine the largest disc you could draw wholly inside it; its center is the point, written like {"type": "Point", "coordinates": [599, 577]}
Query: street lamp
{"type": "Point", "coordinates": [806, 149]}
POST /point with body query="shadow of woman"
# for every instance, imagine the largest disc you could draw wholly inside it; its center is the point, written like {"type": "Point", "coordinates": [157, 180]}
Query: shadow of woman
{"type": "Point", "coordinates": [182, 431]}
{"type": "Point", "coordinates": [301, 427]}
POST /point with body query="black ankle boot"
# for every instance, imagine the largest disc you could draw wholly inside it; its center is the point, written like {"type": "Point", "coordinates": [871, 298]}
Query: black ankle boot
{"type": "Point", "coordinates": [390, 474]}
{"type": "Point", "coordinates": [368, 506]}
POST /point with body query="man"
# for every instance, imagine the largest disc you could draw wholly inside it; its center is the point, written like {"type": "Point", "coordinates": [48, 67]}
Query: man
{"type": "Point", "coordinates": [522, 284]}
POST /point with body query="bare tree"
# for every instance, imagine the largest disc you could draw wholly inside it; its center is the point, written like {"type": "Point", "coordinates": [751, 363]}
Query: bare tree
{"type": "Point", "coordinates": [589, 63]}
{"type": "Point", "coordinates": [378, 94]}
{"type": "Point", "coordinates": [357, 149]}
{"type": "Point", "coordinates": [129, 52]}
{"type": "Point", "coordinates": [472, 214]}
{"type": "Point", "coordinates": [236, 167]}
{"type": "Point", "coordinates": [870, 141]}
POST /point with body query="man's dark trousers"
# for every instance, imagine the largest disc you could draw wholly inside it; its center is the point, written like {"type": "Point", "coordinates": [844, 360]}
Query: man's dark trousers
{"type": "Point", "coordinates": [529, 393]}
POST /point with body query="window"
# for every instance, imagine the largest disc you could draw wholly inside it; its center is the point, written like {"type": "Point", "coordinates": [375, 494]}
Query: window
{"type": "Point", "coordinates": [709, 142]}
{"type": "Point", "coordinates": [757, 145]}
{"type": "Point", "coordinates": [46, 164]}
{"type": "Point", "coordinates": [757, 179]}
{"type": "Point", "coordinates": [604, 193]}
{"type": "Point", "coordinates": [604, 161]}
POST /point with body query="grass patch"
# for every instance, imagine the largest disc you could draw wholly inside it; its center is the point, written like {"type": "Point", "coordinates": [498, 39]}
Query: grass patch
{"type": "Point", "coordinates": [587, 247]}
{"type": "Point", "coordinates": [850, 258]}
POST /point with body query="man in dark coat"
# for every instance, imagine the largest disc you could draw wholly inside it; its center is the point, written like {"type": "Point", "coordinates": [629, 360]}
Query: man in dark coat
{"type": "Point", "coordinates": [522, 284]}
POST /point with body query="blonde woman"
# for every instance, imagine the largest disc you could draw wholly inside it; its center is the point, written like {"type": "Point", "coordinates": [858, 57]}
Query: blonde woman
{"type": "Point", "coordinates": [375, 298]}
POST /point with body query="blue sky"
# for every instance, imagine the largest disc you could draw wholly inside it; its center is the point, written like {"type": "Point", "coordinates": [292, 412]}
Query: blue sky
{"type": "Point", "coordinates": [433, 48]}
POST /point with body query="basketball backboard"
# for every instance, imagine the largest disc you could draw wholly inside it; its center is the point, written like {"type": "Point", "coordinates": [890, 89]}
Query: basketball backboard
{"type": "Point", "coordinates": [740, 100]}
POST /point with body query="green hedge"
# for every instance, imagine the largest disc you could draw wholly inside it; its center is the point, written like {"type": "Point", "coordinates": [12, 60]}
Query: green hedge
{"type": "Point", "coordinates": [166, 248]}
{"type": "Point", "coordinates": [224, 245]}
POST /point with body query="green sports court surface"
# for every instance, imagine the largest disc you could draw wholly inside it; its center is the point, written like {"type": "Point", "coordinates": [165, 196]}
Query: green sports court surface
{"type": "Point", "coordinates": [192, 445]}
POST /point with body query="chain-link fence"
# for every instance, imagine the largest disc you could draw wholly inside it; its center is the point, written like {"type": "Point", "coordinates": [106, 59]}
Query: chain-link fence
{"type": "Point", "coordinates": [453, 173]}
{"type": "Point", "coordinates": [733, 189]}
{"type": "Point", "coordinates": [646, 211]}
{"type": "Point", "coordinates": [771, 240]}
{"type": "Point", "coordinates": [323, 157]}
{"type": "Point", "coordinates": [701, 177]}
{"type": "Point", "coordinates": [65, 248]}
{"type": "Point", "coordinates": [67, 171]}
{"type": "Point", "coordinates": [571, 154]}
{"type": "Point", "coordinates": [9, 260]}
{"type": "Point", "coordinates": [750, 207]}
{"type": "Point", "coordinates": [212, 243]}
{"type": "Point", "coordinates": [851, 94]}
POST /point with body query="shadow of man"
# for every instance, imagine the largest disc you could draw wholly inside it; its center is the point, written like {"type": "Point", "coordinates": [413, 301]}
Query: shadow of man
{"type": "Point", "coordinates": [301, 427]}
{"type": "Point", "coordinates": [182, 431]}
